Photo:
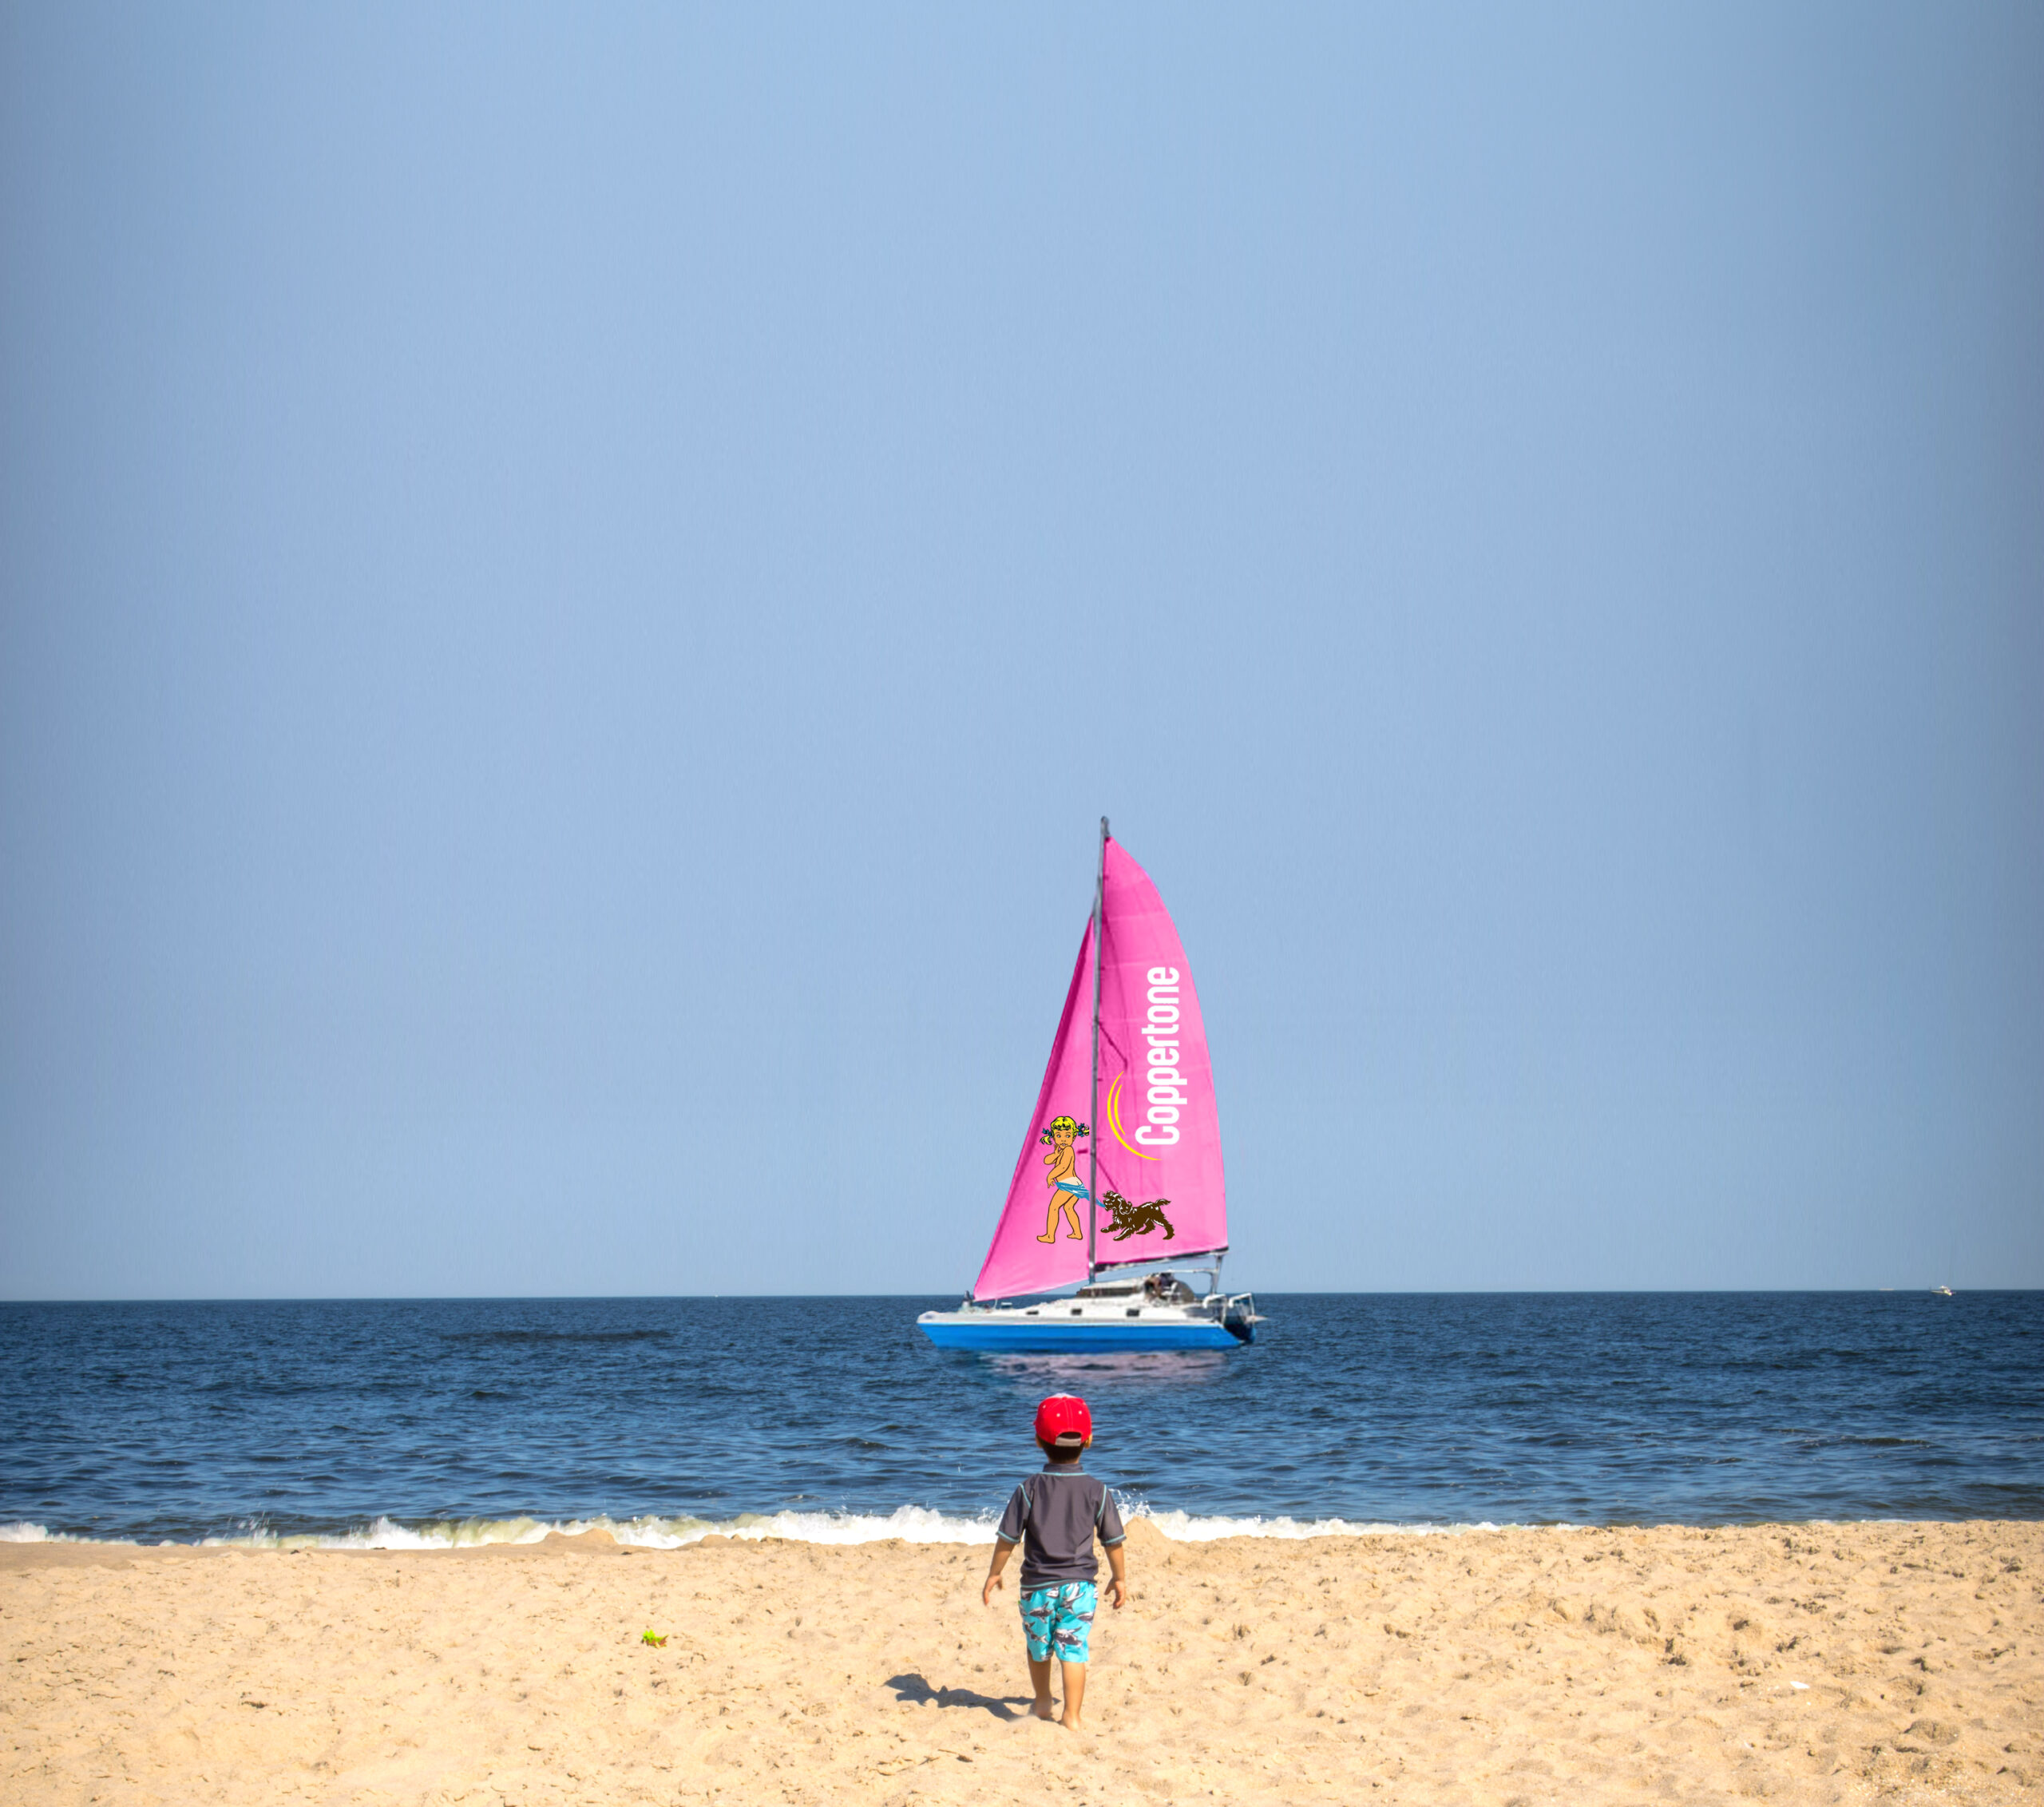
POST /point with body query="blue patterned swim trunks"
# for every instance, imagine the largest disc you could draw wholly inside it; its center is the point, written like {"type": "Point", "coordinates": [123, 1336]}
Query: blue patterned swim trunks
{"type": "Point", "coordinates": [1059, 1621]}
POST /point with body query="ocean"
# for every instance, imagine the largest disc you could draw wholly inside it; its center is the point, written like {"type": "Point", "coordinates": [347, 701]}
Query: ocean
{"type": "Point", "coordinates": [402, 1423]}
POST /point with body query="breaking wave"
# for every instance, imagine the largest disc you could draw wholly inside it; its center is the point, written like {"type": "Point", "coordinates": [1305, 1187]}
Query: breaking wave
{"type": "Point", "coordinates": [909, 1524]}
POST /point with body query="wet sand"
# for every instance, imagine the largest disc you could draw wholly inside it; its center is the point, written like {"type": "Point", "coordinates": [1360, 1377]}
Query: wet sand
{"type": "Point", "coordinates": [1859, 1662]}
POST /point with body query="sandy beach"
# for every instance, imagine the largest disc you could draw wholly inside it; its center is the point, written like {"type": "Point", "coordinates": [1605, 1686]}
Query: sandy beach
{"type": "Point", "coordinates": [1857, 1662]}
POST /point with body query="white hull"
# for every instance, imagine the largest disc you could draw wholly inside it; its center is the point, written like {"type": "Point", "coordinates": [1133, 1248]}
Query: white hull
{"type": "Point", "coordinates": [1102, 1318]}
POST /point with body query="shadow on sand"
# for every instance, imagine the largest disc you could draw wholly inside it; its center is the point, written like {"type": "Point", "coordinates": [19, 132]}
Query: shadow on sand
{"type": "Point", "coordinates": [916, 1690]}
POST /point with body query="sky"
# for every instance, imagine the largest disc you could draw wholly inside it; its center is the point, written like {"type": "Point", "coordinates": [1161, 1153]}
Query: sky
{"type": "Point", "coordinates": [574, 582]}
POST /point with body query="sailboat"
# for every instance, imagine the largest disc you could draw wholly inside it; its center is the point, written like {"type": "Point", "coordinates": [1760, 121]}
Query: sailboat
{"type": "Point", "coordinates": [1120, 1167]}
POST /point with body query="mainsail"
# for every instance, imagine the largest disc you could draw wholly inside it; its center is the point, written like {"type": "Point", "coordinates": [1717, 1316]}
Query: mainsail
{"type": "Point", "coordinates": [1122, 1162]}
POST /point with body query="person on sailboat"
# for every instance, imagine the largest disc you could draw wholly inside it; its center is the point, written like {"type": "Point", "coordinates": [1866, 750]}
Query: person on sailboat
{"type": "Point", "coordinates": [1066, 1188]}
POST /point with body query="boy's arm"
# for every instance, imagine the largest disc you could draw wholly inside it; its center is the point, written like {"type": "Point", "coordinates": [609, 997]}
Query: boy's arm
{"type": "Point", "coordinates": [1108, 1527]}
{"type": "Point", "coordinates": [1006, 1536]}
{"type": "Point", "coordinates": [1002, 1549]}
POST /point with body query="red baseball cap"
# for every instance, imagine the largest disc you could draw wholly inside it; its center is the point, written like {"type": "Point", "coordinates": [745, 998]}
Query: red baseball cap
{"type": "Point", "coordinates": [1063, 1417]}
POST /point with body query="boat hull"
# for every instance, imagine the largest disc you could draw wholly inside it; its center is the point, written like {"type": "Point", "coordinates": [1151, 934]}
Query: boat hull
{"type": "Point", "coordinates": [963, 1330]}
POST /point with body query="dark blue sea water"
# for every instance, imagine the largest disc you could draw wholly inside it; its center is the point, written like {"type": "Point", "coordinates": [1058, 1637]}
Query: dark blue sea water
{"type": "Point", "coordinates": [189, 1420]}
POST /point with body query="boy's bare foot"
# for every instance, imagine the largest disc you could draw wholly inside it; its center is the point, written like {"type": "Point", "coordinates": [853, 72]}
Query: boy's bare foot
{"type": "Point", "coordinates": [1071, 1723]}
{"type": "Point", "coordinates": [1042, 1709]}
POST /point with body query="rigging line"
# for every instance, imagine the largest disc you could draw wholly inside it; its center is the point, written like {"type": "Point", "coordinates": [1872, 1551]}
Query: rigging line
{"type": "Point", "coordinates": [1093, 1152]}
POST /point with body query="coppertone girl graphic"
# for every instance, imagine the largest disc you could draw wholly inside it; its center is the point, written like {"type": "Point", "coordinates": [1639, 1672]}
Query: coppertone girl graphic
{"type": "Point", "coordinates": [1067, 1189]}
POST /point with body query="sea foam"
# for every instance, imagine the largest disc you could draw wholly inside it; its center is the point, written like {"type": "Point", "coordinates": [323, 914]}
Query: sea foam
{"type": "Point", "coordinates": [908, 1524]}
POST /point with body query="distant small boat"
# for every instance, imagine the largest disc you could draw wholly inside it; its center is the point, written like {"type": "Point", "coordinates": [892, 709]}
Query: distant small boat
{"type": "Point", "coordinates": [1943, 1292]}
{"type": "Point", "coordinates": [1153, 1191]}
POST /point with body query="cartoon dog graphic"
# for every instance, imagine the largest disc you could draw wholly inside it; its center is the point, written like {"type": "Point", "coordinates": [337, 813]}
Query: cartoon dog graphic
{"type": "Point", "coordinates": [1126, 1220]}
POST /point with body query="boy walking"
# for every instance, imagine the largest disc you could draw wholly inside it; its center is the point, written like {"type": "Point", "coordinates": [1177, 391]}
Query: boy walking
{"type": "Point", "coordinates": [1055, 1515]}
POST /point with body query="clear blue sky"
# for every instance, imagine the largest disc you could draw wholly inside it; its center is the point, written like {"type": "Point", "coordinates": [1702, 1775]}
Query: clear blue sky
{"type": "Point", "coordinates": [576, 579]}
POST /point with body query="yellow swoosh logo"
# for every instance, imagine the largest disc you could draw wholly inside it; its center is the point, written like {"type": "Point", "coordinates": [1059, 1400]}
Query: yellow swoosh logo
{"type": "Point", "coordinates": [1114, 1120]}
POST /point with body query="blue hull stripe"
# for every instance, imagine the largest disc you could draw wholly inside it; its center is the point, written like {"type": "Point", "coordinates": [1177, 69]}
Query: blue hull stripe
{"type": "Point", "coordinates": [1054, 1338]}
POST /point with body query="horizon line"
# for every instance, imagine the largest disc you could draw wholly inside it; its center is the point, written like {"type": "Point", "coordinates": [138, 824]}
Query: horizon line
{"type": "Point", "coordinates": [1275, 1292]}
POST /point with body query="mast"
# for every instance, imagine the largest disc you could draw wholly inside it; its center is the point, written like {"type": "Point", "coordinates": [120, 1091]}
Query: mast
{"type": "Point", "coordinates": [1093, 1149]}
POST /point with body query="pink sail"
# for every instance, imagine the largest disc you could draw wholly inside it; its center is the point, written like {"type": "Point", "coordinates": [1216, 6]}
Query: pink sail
{"type": "Point", "coordinates": [1159, 1193]}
